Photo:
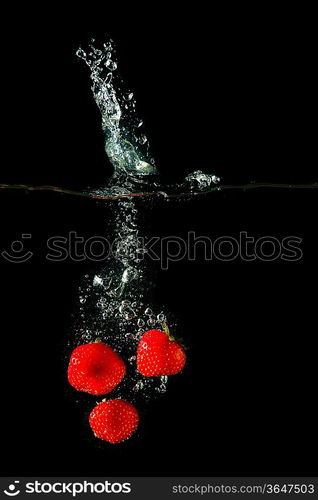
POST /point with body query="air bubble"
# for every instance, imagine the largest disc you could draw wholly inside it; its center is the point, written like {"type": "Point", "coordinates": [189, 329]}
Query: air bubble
{"type": "Point", "coordinates": [81, 53]}
{"type": "Point", "coordinates": [130, 336]}
{"type": "Point", "coordinates": [108, 79]}
{"type": "Point", "coordinates": [111, 65]}
{"type": "Point", "coordinates": [97, 281]}
{"type": "Point", "coordinates": [138, 386]}
{"type": "Point", "coordinates": [162, 388]}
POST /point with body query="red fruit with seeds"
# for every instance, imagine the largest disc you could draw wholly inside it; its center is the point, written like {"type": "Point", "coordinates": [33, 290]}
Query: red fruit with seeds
{"type": "Point", "coordinates": [95, 368]}
{"type": "Point", "coordinates": [114, 420]}
{"type": "Point", "coordinates": [159, 354]}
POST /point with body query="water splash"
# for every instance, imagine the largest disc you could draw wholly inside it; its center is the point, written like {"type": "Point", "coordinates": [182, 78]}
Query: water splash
{"type": "Point", "coordinates": [199, 181]}
{"type": "Point", "coordinates": [126, 144]}
{"type": "Point", "coordinates": [114, 301]}
{"type": "Point", "coordinates": [115, 304]}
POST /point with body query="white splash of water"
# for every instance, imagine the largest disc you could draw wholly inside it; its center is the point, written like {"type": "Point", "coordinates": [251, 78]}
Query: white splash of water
{"type": "Point", "coordinates": [126, 145]}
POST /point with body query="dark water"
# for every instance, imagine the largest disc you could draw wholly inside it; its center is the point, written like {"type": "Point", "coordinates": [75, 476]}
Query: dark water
{"type": "Point", "coordinates": [246, 395]}
{"type": "Point", "coordinates": [250, 373]}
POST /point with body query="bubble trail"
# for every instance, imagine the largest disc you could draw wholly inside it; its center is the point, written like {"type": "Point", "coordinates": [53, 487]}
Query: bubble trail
{"type": "Point", "coordinates": [114, 301]}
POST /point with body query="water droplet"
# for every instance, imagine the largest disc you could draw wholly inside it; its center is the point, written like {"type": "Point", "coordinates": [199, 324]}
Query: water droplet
{"type": "Point", "coordinates": [129, 274]}
{"type": "Point", "coordinates": [138, 386]}
{"type": "Point", "coordinates": [81, 53]}
{"type": "Point", "coordinates": [111, 65]}
{"type": "Point", "coordinates": [215, 179]}
{"type": "Point", "coordinates": [130, 336]}
{"type": "Point", "coordinates": [162, 388]}
{"type": "Point", "coordinates": [200, 181]}
{"type": "Point", "coordinates": [143, 139]}
{"type": "Point", "coordinates": [108, 79]}
{"type": "Point", "coordinates": [97, 281]}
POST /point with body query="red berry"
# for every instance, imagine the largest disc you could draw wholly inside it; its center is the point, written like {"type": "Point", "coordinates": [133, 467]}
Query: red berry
{"type": "Point", "coordinates": [114, 420]}
{"type": "Point", "coordinates": [95, 368]}
{"type": "Point", "coordinates": [158, 354]}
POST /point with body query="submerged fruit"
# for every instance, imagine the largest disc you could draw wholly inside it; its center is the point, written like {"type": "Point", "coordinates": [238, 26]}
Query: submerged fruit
{"type": "Point", "coordinates": [159, 354]}
{"type": "Point", "coordinates": [95, 368]}
{"type": "Point", "coordinates": [114, 420]}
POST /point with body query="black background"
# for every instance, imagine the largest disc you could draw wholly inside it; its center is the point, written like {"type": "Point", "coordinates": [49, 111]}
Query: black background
{"type": "Point", "coordinates": [227, 92]}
